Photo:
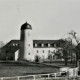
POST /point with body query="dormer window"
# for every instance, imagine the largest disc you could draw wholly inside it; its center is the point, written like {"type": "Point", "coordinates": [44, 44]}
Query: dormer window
{"type": "Point", "coordinates": [13, 44]}
{"type": "Point", "coordinates": [54, 45]}
{"type": "Point", "coordinates": [48, 45]}
{"type": "Point", "coordinates": [16, 44]}
{"type": "Point", "coordinates": [58, 44]}
{"type": "Point", "coordinates": [35, 45]}
{"type": "Point", "coordinates": [42, 45]}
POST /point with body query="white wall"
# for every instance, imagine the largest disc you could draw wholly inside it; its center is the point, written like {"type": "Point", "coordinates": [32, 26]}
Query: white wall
{"type": "Point", "coordinates": [28, 45]}
{"type": "Point", "coordinates": [40, 52]}
{"type": "Point", "coordinates": [16, 55]}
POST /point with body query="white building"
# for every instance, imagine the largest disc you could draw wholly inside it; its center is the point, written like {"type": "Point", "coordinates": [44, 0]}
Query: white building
{"type": "Point", "coordinates": [27, 49]}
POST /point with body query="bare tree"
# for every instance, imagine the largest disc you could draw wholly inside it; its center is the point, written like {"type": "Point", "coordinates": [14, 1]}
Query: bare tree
{"type": "Point", "coordinates": [66, 48]}
{"type": "Point", "coordinates": [73, 33]}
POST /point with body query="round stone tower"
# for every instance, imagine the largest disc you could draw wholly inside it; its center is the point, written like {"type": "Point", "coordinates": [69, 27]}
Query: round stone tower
{"type": "Point", "coordinates": [26, 43]}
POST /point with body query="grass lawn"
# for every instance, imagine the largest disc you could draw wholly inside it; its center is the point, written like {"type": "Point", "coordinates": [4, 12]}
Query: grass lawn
{"type": "Point", "coordinates": [9, 69]}
{"type": "Point", "coordinates": [60, 64]}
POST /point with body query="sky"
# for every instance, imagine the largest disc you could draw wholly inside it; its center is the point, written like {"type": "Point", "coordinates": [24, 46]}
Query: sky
{"type": "Point", "coordinates": [50, 19]}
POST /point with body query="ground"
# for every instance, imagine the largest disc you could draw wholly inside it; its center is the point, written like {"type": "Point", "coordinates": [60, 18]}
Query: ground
{"type": "Point", "coordinates": [9, 69]}
{"type": "Point", "coordinates": [61, 64]}
{"type": "Point", "coordinates": [23, 68]}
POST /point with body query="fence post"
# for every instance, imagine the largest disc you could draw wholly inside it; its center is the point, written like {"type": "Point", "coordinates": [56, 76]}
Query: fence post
{"type": "Point", "coordinates": [48, 76]}
{"type": "Point", "coordinates": [34, 77]}
{"type": "Point", "coordinates": [18, 78]}
{"type": "Point", "coordinates": [1, 78]}
{"type": "Point", "coordinates": [60, 73]}
{"type": "Point", "coordinates": [55, 75]}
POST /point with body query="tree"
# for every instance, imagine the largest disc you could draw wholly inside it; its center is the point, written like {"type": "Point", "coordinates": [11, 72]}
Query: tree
{"type": "Point", "coordinates": [73, 33]}
{"type": "Point", "coordinates": [58, 53]}
{"type": "Point", "coordinates": [66, 48]}
{"type": "Point", "coordinates": [77, 54]}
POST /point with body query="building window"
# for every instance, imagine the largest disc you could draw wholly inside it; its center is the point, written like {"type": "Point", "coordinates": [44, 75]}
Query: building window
{"type": "Point", "coordinates": [48, 51]}
{"type": "Point", "coordinates": [43, 51]}
{"type": "Point", "coordinates": [37, 51]}
{"type": "Point", "coordinates": [28, 53]}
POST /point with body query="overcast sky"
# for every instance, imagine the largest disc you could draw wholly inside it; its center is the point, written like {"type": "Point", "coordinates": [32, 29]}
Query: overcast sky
{"type": "Point", "coordinates": [50, 19]}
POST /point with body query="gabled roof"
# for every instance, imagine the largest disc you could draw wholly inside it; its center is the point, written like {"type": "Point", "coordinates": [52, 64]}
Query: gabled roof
{"type": "Point", "coordinates": [11, 46]}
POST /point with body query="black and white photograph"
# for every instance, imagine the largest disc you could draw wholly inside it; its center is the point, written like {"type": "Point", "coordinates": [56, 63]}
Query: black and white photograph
{"type": "Point", "coordinates": [39, 39]}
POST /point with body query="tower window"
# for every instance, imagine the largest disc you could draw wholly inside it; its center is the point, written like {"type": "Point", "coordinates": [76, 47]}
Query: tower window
{"type": "Point", "coordinates": [28, 53]}
{"type": "Point", "coordinates": [28, 44]}
{"type": "Point", "coordinates": [28, 34]}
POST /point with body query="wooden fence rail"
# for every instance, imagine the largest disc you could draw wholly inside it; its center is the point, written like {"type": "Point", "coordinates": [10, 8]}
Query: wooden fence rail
{"type": "Point", "coordinates": [50, 76]}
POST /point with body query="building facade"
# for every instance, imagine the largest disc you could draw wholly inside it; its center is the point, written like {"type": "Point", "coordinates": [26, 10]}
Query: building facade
{"type": "Point", "coordinates": [28, 49]}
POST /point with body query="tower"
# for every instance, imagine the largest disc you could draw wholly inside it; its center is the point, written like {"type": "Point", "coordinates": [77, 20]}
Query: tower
{"type": "Point", "coordinates": [26, 46]}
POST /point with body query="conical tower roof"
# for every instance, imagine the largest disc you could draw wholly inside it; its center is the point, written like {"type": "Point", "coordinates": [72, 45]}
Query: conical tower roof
{"type": "Point", "coordinates": [26, 26]}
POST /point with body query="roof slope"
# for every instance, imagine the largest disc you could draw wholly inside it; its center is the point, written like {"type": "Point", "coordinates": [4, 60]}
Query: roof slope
{"type": "Point", "coordinates": [11, 46]}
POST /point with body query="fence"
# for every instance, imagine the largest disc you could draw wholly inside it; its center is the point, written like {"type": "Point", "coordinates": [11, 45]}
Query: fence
{"type": "Point", "coordinates": [51, 76]}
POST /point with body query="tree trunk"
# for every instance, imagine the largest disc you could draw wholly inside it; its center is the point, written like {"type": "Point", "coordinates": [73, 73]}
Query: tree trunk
{"type": "Point", "coordinates": [65, 56]}
{"type": "Point", "coordinates": [77, 59]}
